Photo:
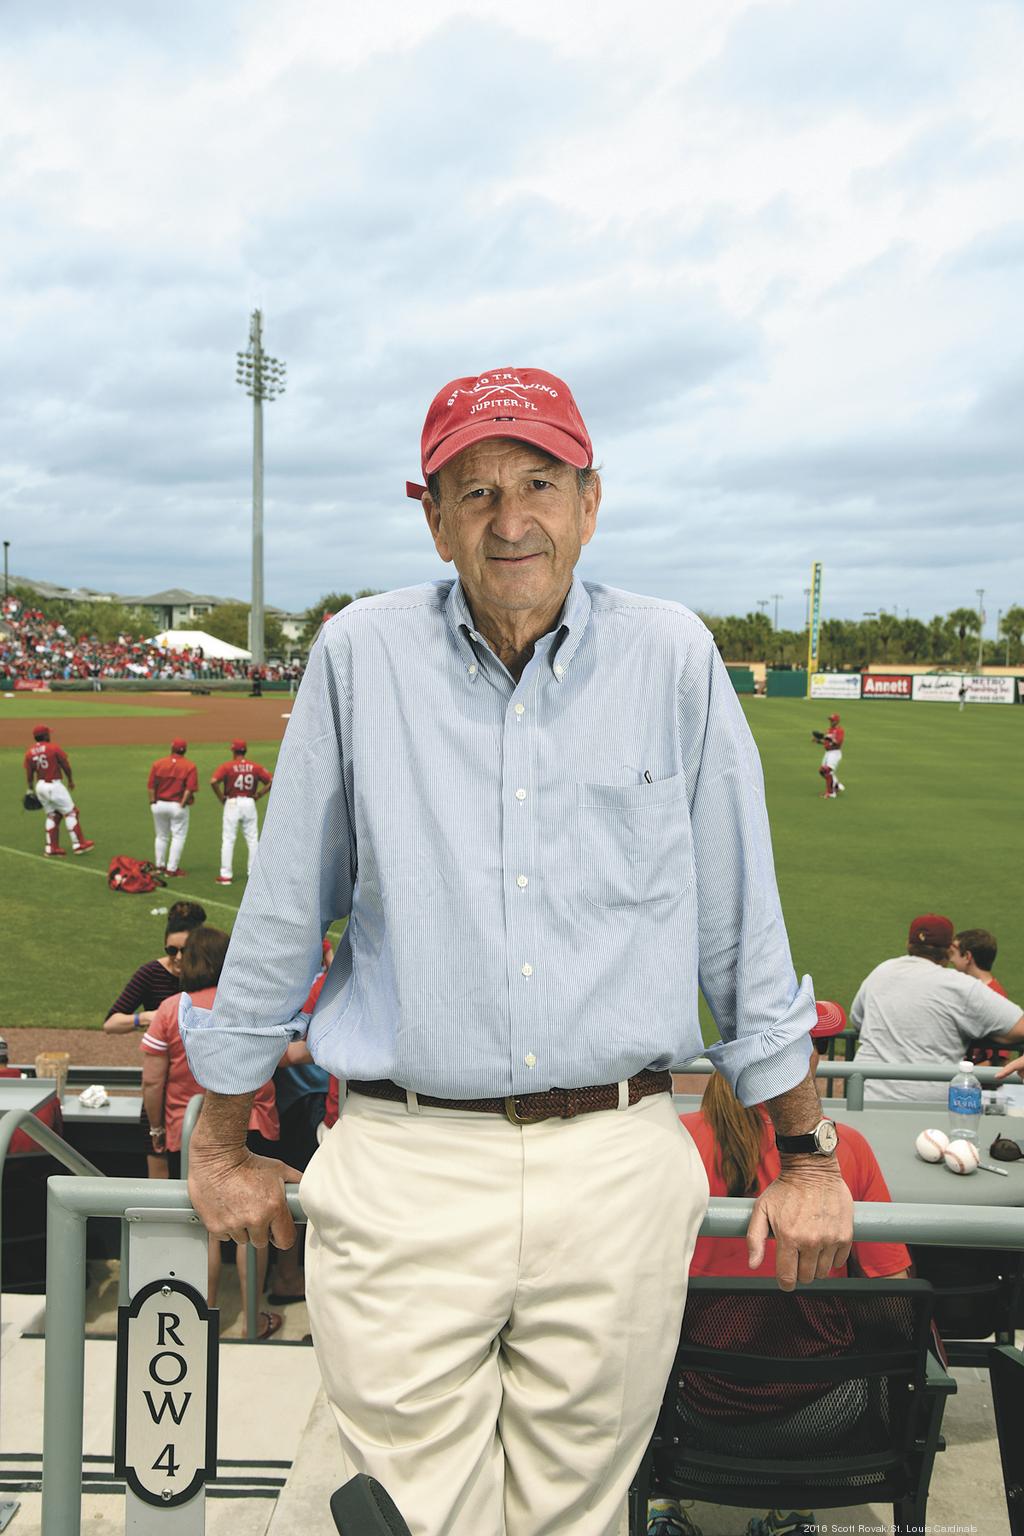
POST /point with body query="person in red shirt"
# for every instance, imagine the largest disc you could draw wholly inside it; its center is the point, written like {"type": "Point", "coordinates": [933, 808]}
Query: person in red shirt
{"type": "Point", "coordinates": [172, 788]}
{"type": "Point", "coordinates": [832, 740]}
{"type": "Point", "coordinates": [973, 953]}
{"type": "Point", "coordinates": [737, 1148]}
{"type": "Point", "coordinates": [168, 1086]}
{"type": "Point", "coordinates": [238, 785]}
{"type": "Point", "coordinates": [46, 768]}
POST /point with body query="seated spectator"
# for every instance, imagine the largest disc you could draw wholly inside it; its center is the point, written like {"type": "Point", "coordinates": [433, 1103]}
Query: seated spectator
{"type": "Point", "coordinates": [737, 1148]}
{"type": "Point", "coordinates": [168, 1086]}
{"type": "Point", "coordinates": [973, 953]}
{"type": "Point", "coordinates": [142, 994]}
{"type": "Point", "coordinates": [155, 980]}
{"type": "Point", "coordinates": [915, 1009]}
{"type": "Point", "coordinates": [301, 1089]}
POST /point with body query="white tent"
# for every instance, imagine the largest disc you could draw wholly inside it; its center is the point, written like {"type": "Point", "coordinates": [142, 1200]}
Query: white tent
{"type": "Point", "coordinates": [212, 648]}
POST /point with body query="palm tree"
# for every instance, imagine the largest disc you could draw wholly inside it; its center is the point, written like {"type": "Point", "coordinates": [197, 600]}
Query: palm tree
{"type": "Point", "coordinates": [965, 622]}
{"type": "Point", "coordinates": [1013, 626]}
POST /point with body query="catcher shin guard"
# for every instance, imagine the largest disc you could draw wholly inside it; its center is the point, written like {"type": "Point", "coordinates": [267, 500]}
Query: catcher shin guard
{"type": "Point", "coordinates": [74, 825]}
{"type": "Point", "coordinates": [830, 782]}
{"type": "Point", "coordinates": [52, 832]}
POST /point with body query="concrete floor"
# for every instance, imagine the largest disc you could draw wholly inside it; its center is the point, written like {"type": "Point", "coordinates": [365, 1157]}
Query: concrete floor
{"type": "Point", "coordinates": [275, 1421]}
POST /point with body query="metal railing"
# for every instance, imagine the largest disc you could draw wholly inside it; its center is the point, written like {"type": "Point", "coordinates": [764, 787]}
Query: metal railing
{"type": "Point", "coordinates": [72, 1201]}
{"type": "Point", "coordinates": [856, 1075]}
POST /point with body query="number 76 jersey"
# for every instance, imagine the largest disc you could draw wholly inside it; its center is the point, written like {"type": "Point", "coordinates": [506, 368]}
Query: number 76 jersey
{"type": "Point", "coordinates": [240, 778]}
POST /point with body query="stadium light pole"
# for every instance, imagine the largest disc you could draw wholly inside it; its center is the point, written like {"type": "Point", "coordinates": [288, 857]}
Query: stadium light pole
{"type": "Point", "coordinates": [981, 624]}
{"type": "Point", "coordinates": [762, 603]}
{"type": "Point", "coordinates": [262, 378]}
{"type": "Point", "coordinates": [776, 599]}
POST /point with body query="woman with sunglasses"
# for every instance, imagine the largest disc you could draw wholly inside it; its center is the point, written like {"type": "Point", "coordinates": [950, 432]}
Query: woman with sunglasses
{"type": "Point", "coordinates": [142, 994]}
{"type": "Point", "coordinates": [158, 979]}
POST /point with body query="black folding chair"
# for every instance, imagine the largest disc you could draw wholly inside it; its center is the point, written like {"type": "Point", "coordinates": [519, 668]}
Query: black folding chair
{"type": "Point", "coordinates": [363, 1507]}
{"type": "Point", "coordinates": [1006, 1372]}
{"type": "Point", "coordinates": [979, 1298]}
{"type": "Point", "coordinates": [819, 1398]}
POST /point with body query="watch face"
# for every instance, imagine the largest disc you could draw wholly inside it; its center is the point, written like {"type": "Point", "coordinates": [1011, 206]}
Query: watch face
{"type": "Point", "coordinates": [826, 1136]}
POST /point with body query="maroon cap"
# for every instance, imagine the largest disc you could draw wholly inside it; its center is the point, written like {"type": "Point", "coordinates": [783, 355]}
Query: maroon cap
{"type": "Point", "coordinates": [834, 719]}
{"type": "Point", "coordinates": [527, 404]}
{"type": "Point", "coordinates": [177, 745]}
{"type": "Point", "coordinates": [239, 746]}
{"type": "Point", "coordinates": [831, 1019]}
{"type": "Point", "coordinates": [932, 929]}
{"type": "Point", "coordinates": [41, 732]}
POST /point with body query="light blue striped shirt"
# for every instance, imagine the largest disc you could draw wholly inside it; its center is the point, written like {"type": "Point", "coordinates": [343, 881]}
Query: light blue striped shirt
{"type": "Point", "coordinates": [539, 874]}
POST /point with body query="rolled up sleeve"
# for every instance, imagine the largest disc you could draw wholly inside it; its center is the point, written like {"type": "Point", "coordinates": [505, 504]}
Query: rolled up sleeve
{"type": "Point", "coordinates": [302, 881]}
{"type": "Point", "coordinates": [764, 1015]}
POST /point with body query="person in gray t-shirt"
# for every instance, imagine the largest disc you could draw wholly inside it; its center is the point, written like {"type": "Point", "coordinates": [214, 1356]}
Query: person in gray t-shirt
{"type": "Point", "coordinates": [914, 1010]}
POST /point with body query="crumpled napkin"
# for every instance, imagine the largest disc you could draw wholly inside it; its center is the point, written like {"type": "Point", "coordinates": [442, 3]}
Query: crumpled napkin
{"type": "Point", "coordinates": [94, 1097]}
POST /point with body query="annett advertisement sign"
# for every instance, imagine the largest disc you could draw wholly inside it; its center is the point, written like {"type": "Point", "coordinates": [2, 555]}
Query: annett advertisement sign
{"type": "Point", "coordinates": [887, 685]}
{"type": "Point", "coordinates": [835, 685]}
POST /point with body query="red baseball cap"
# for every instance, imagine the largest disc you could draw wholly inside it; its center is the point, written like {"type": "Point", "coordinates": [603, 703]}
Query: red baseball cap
{"type": "Point", "coordinates": [177, 745]}
{"type": "Point", "coordinates": [527, 404]}
{"type": "Point", "coordinates": [831, 1020]}
{"type": "Point", "coordinates": [931, 929]}
{"type": "Point", "coordinates": [834, 718]}
{"type": "Point", "coordinates": [40, 732]}
{"type": "Point", "coordinates": [239, 746]}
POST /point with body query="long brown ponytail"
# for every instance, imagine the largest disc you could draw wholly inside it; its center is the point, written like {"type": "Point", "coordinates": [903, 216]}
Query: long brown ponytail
{"type": "Point", "coordinates": [737, 1132]}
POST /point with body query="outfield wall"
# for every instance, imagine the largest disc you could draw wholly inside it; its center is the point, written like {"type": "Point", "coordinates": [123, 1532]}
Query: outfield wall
{"type": "Point", "coordinates": [927, 687]}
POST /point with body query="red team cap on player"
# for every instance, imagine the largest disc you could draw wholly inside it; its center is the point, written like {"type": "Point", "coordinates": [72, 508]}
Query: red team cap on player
{"type": "Point", "coordinates": [932, 929]}
{"type": "Point", "coordinates": [527, 404]}
{"type": "Point", "coordinates": [239, 746]}
{"type": "Point", "coordinates": [177, 745]}
{"type": "Point", "coordinates": [833, 719]}
{"type": "Point", "coordinates": [831, 1019]}
{"type": "Point", "coordinates": [41, 732]}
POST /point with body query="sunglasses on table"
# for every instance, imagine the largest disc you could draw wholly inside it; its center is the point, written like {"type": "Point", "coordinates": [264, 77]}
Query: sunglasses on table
{"type": "Point", "coordinates": [1005, 1149]}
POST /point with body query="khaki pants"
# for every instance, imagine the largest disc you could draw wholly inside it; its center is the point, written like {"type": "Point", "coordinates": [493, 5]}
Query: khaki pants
{"type": "Point", "coordinates": [496, 1308]}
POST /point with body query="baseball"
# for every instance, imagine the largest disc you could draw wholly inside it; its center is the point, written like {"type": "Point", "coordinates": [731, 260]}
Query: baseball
{"type": "Point", "coordinates": [961, 1157]}
{"type": "Point", "coordinates": [931, 1146]}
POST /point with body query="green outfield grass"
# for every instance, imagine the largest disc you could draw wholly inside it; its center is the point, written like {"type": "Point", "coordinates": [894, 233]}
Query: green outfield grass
{"type": "Point", "coordinates": [54, 706]}
{"type": "Point", "coordinates": [931, 821]}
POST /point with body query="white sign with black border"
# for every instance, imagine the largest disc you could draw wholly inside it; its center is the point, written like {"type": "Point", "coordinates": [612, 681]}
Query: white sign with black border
{"type": "Point", "coordinates": [166, 1419]}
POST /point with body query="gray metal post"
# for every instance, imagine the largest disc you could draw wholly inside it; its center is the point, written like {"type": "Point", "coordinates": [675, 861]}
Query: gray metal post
{"type": "Point", "coordinates": [256, 619]}
{"type": "Point", "coordinates": [64, 1370]}
{"type": "Point", "coordinates": [855, 1091]}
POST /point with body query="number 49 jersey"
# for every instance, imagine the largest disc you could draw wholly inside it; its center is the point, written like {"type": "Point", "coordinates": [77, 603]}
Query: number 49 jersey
{"type": "Point", "coordinates": [240, 777]}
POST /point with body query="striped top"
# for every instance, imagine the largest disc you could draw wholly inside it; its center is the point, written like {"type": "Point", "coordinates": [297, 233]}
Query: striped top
{"type": "Point", "coordinates": [539, 873]}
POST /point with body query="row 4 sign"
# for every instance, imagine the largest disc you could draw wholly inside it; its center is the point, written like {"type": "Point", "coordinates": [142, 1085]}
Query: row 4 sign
{"type": "Point", "coordinates": [166, 1419]}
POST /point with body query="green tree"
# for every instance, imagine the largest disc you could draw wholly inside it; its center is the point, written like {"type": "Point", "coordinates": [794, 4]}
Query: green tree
{"type": "Point", "coordinates": [1012, 627]}
{"type": "Point", "coordinates": [965, 624]}
{"type": "Point", "coordinates": [331, 602]}
{"type": "Point", "coordinates": [230, 622]}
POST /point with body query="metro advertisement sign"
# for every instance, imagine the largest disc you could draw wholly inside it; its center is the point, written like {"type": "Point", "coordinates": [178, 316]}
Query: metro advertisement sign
{"type": "Point", "coordinates": [945, 687]}
{"type": "Point", "coordinates": [835, 685]}
{"type": "Point", "coordinates": [891, 685]}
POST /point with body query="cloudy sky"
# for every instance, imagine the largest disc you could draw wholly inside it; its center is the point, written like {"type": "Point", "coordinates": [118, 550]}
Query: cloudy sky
{"type": "Point", "coordinates": [775, 246]}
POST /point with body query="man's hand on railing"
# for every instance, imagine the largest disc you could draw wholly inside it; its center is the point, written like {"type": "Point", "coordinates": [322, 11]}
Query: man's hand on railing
{"type": "Point", "coordinates": [1009, 1067]}
{"type": "Point", "coordinates": [808, 1210]}
{"type": "Point", "coordinates": [236, 1193]}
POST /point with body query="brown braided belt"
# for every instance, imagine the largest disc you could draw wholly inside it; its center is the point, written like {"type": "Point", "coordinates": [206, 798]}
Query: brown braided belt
{"type": "Point", "coordinates": [526, 1108]}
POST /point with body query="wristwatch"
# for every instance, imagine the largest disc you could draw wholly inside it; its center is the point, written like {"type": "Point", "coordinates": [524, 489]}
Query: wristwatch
{"type": "Point", "coordinates": [821, 1142]}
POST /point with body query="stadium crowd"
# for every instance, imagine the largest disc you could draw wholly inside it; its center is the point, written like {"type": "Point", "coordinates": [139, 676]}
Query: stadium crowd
{"type": "Point", "coordinates": [35, 648]}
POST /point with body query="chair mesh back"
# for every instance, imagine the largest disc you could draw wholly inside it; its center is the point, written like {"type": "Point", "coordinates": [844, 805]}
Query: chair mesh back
{"type": "Point", "coordinates": [792, 1380]}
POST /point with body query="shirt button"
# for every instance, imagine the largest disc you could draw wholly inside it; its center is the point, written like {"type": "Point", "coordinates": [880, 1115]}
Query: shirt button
{"type": "Point", "coordinates": [472, 671]}
{"type": "Point", "coordinates": [520, 709]}
{"type": "Point", "coordinates": [522, 882]}
{"type": "Point", "coordinates": [531, 1060]}
{"type": "Point", "coordinates": [527, 969]}
{"type": "Point", "coordinates": [520, 794]}
{"type": "Point", "coordinates": [559, 670]}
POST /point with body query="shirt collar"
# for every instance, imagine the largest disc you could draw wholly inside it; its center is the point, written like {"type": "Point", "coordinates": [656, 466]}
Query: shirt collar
{"type": "Point", "coordinates": [561, 643]}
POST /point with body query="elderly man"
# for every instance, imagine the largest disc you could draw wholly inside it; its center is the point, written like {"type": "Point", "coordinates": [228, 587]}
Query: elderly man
{"type": "Point", "coordinates": [914, 1009]}
{"type": "Point", "coordinates": [539, 802]}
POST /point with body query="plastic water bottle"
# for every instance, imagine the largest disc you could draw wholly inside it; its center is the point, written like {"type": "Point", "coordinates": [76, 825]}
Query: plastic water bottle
{"type": "Point", "coordinates": [964, 1104]}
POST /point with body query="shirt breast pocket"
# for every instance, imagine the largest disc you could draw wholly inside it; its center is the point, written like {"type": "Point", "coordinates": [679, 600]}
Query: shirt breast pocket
{"type": "Point", "coordinates": [634, 842]}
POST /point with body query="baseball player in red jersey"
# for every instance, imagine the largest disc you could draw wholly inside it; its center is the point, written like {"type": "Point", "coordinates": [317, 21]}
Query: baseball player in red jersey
{"type": "Point", "coordinates": [832, 740]}
{"type": "Point", "coordinates": [238, 785]}
{"type": "Point", "coordinates": [46, 768]}
{"type": "Point", "coordinates": [172, 788]}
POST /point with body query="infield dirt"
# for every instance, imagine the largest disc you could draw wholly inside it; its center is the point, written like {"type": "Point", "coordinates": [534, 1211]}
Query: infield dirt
{"type": "Point", "coordinates": [198, 717]}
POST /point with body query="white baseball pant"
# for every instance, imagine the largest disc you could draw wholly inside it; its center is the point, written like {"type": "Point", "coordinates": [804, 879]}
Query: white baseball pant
{"type": "Point", "coordinates": [238, 812]}
{"type": "Point", "coordinates": [55, 798]}
{"type": "Point", "coordinates": [496, 1307]}
{"type": "Point", "coordinates": [170, 823]}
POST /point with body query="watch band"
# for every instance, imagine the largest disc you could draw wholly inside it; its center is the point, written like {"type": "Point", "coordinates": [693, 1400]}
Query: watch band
{"type": "Point", "coordinates": [821, 1142]}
